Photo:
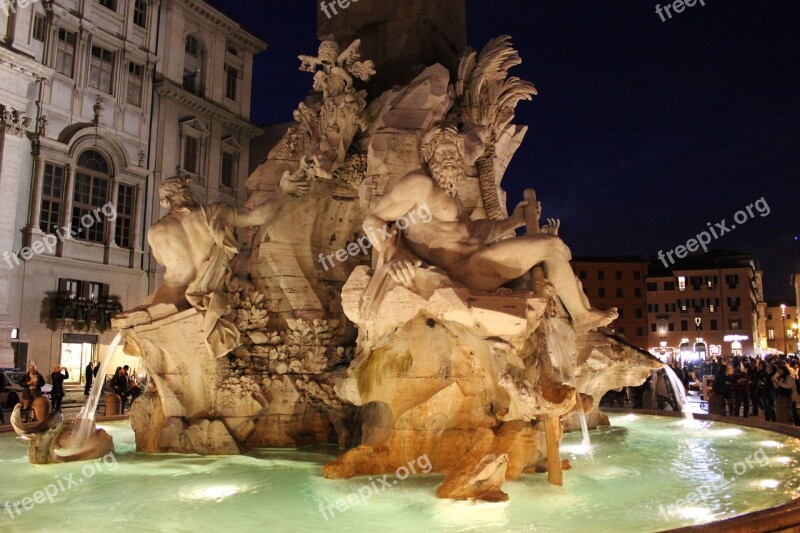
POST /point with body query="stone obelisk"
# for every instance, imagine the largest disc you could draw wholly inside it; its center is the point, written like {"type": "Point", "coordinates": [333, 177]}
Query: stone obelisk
{"type": "Point", "coordinates": [402, 38]}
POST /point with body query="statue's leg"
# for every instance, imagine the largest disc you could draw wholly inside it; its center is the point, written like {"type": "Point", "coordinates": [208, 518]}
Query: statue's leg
{"type": "Point", "coordinates": [495, 265]}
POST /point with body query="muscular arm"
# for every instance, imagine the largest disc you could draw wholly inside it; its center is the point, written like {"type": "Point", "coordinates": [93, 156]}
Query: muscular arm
{"type": "Point", "coordinates": [402, 198]}
{"type": "Point", "coordinates": [260, 215]}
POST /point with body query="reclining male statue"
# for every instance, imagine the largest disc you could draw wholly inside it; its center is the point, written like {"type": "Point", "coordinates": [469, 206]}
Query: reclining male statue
{"type": "Point", "coordinates": [471, 252]}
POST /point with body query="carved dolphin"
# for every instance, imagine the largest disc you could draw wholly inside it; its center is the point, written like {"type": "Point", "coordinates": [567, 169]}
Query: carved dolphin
{"type": "Point", "coordinates": [51, 421]}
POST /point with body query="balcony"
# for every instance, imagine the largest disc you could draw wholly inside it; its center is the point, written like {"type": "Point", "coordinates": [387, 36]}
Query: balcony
{"type": "Point", "coordinates": [192, 84]}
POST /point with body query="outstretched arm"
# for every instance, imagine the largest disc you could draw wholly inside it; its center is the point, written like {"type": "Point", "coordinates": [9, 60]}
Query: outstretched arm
{"type": "Point", "coordinates": [264, 213]}
{"type": "Point", "coordinates": [401, 199]}
{"type": "Point", "coordinates": [493, 230]}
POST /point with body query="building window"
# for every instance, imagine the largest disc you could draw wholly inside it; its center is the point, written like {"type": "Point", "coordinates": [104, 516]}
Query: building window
{"type": "Point", "coordinates": [652, 308]}
{"type": "Point", "coordinates": [637, 292]}
{"type": "Point", "coordinates": [684, 325]}
{"type": "Point", "coordinates": [109, 4]}
{"type": "Point", "coordinates": [192, 159]}
{"type": "Point", "coordinates": [734, 323]}
{"type": "Point", "coordinates": [653, 327]}
{"type": "Point", "coordinates": [669, 285]}
{"type": "Point", "coordinates": [672, 326]}
{"type": "Point", "coordinates": [601, 274]}
{"type": "Point", "coordinates": [637, 275]}
{"type": "Point", "coordinates": [621, 313]}
{"type": "Point", "coordinates": [193, 66]}
{"type": "Point", "coordinates": [771, 334]}
{"type": "Point", "coordinates": [228, 170]}
{"type": "Point", "coordinates": [619, 293]}
{"type": "Point", "coordinates": [618, 274]}
{"type": "Point", "coordinates": [232, 76]}
{"type": "Point", "coordinates": [639, 331]}
{"type": "Point", "coordinates": [713, 323]}
{"type": "Point", "coordinates": [582, 274]}
{"type": "Point", "coordinates": [135, 84]}
{"type": "Point", "coordinates": [65, 52]}
{"type": "Point", "coordinates": [670, 308]}
{"type": "Point", "coordinates": [191, 154]}
{"type": "Point", "coordinates": [91, 194]}
{"type": "Point", "coordinates": [639, 313]}
{"type": "Point", "coordinates": [38, 28]}
{"type": "Point", "coordinates": [681, 283]}
{"type": "Point", "coordinates": [601, 292]}
{"type": "Point", "coordinates": [52, 191]}
{"type": "Point", "coordinates": [732, 280]}
{"type": "Point", "coordinates": [101, 69]}
{"type": "Point", "coordinates": [712, 308]}
{"type": "Point", "coordinates": [125, 209]}
{"type": "Point", "coordinates": [652, 286]}
{"type": "Point", "coordinates": [140, 13]}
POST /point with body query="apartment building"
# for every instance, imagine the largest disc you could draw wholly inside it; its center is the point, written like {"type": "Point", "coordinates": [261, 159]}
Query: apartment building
{"type": "Point", "coordinates": [98, 102]}
{"type": "Point", "coordinates": [618, 282]}
{"type": "Point", "coordinates": [707, 303]}
{"type": "Point", "coordinates": [781, 324]}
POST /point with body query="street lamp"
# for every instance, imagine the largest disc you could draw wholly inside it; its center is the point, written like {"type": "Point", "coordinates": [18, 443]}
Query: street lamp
{"type": "Point", "coordinates": [783, 318]}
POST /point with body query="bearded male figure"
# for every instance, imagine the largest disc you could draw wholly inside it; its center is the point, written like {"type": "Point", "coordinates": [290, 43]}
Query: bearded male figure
{"type": "Point", "coordinates": [471, 252]}
{"type": "Point", "coordinates": [196, 244]}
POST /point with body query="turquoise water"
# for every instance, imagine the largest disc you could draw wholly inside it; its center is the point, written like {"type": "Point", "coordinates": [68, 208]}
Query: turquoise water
{"type": "Point", "coordinates": [641, 466]}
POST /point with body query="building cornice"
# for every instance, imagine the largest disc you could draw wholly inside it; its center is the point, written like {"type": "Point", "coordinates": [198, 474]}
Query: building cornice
{"type": "Point", "coordinates": [232, 28]}
{"type": "Point", "coordinates": [168, 89]}
{"type": "Point", "coordinates": [23, 64]}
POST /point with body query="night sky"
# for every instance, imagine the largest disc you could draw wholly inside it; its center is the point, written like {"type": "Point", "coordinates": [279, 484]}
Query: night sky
{"type": "Point", "coordinates": [643, 130]}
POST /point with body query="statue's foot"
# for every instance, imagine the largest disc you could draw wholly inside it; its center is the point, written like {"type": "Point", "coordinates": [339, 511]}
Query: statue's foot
{"type": "Point", "coordinates": [593, 319]}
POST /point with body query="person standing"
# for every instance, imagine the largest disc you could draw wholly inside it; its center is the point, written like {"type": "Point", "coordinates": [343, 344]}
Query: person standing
{"type": "Point", "coordinates": [57, 393]}
{"type": "Point", "coordinates": [741, 392]}
{"type": "Point", "coordinates": [89, 377]}
{"type": "Point", "coordinates": [31, 383]}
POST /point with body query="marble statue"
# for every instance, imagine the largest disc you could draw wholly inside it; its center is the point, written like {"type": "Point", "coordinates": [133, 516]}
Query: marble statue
{"type": "Point", "coordinates": [196, 244]}
{"type": "Point", "coordinates": [472, 252]}
{"type": "Point", "coordinates": [441, 339]}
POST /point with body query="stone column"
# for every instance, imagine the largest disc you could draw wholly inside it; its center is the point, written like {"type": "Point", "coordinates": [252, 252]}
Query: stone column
{"type": "Point", "coordinates": [13, 125]}
{"type": "Point", "coordinates": [66, 216]}
{"type": "Point", "coordinates": [111, 227]}
{"type": "Point", "coordinates": [138, 217]}
{"type": "Point", "coordinates": [35, 211]}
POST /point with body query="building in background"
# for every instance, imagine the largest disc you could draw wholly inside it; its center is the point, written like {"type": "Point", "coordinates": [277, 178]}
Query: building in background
{"type": "Point", "coordinates": [100, 100]}
{"type": "Point", "coordinates": [618, 282]}
{"type": "Point", "coordinates": [201, 128]}
{"type": "Point", "coordinates": [781, 328]}
{"type": "Point", "coordinates": [706, 304]}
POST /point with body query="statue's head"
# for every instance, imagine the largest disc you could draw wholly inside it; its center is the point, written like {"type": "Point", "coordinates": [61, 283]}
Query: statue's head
{"type": "Point", "coordinates": [443, 154]}
{"type": "Point", "coordinates": [176, 193]}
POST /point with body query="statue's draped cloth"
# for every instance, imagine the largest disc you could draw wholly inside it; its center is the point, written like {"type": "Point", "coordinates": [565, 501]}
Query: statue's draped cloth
{"type": "Point", "coordinates": [207, 292]}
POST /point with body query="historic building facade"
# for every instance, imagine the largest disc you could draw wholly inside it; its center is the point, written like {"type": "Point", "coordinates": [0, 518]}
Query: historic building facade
{"type": "Point", "coordinates": [781, 324]}
{"type": "Point", "coordinates": [88, 122]}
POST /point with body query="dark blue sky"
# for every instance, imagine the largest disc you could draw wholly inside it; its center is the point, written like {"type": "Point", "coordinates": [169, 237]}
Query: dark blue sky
{"type": "Point", "coordinates": [643, 130]}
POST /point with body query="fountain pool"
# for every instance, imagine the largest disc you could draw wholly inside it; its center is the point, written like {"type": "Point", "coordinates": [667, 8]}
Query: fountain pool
{"type": "Point", "coordinates": [642, 465]}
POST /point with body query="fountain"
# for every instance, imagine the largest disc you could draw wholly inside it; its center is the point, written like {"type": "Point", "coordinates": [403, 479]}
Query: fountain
{"type": "Point", "coordinates": [391, 319]}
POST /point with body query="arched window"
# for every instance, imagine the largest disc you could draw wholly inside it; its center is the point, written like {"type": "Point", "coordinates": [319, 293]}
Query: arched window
{"type": "Point", "coordinates": [193, 66]}
{"type": "Point", "coordinates": [92, 189]}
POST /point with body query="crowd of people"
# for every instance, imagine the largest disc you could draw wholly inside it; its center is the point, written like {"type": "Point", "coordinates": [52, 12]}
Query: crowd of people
{"type": "Point", "coordinates": [741, 386]}
{"type": "Point", "coordinates": [122, 383]}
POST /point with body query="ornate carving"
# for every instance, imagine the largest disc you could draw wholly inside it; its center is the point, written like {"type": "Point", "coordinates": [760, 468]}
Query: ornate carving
{"type": "Point", "coordinates": [487, 98]}
{"type": "Point", "coordinates": [332, 123]}
{"type": "Point", "coordinates": [14, 122]}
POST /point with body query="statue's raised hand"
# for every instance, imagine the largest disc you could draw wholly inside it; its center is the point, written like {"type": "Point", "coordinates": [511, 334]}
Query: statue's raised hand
{"type": "Point", "coordinates": [294, 185]}
{"type": "Point", "coordinates": [552, 226]}
{"type": "Point", "coordinates": [403, 270]}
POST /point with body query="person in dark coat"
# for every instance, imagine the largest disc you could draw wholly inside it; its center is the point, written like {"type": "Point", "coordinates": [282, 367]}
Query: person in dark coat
{"type": "Point", "coordinates": [31, 383]}
{"type": "Point", "coordinates": [89, 377]}
{"type": "Point", "coordinates": [119, 383]}
{"type": "Point", "coordinates": [57, 379]}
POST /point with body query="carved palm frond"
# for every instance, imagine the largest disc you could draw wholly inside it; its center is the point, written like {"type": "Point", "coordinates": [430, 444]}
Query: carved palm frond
{"type": "Point", "coordinates": [488, 97]}
{"type": "Point", "coordinates": [485, 92]}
